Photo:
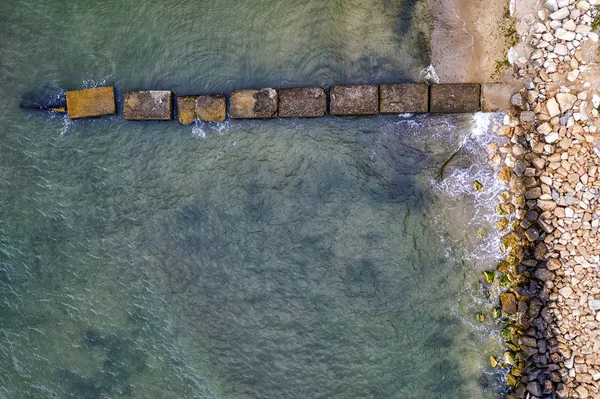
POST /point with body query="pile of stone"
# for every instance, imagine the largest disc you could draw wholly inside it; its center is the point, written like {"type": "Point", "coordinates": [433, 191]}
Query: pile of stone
{"type": "Point", "coordinates": [552, 299]}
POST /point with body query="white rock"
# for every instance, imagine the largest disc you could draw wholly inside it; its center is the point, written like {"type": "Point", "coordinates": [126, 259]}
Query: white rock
{"type": "Point", "coordinates": [583, 29]}
{"type": "Point", "coordinates": [538, 27]}
{"type": "Point", "coordinates": [562, 3]}
{"type": "Point", "coordinates": [564, 34]}
{"type": "Point", "coordinates": [583, 5]}
{"type": "Point", "coordinates": [594, 303]}
{"type": "Point", "coordinates": [569, 25]}
{"type": "Point", "coordinates": [566, 101]}
{"type": "Point", "coordinates": [572, 76]}
{"type": "Point", "coordinates": [596, 100]}
{"type": "Point", "coordinates": [560, 14]}
{"type": "Point", "coordinates": [553, 108]}
{"type": "Point", "coordinates": [555, 24]}
{"type": "Point", "coordinates": [549, 36]}
{"type": "Point", "coordinates": [552, 137]}
{"type": "Point", "coordinates": [551, 5]}
{"type": "Point", "coordinates": [593, 36]}
{"type": "Point", "coordinates": [560, 49]}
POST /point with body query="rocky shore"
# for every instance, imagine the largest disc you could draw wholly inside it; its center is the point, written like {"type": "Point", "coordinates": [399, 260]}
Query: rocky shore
{"type": "Point", "coordinates": [550, 280]}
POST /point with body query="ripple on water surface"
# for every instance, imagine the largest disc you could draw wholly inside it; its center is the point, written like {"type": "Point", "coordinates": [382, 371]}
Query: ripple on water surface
{"type": "Point", "coordinates": [247, 259]}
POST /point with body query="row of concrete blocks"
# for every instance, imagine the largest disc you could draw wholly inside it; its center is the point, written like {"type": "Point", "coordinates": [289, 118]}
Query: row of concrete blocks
{"type": "Point", "coordinates": [303, 102]}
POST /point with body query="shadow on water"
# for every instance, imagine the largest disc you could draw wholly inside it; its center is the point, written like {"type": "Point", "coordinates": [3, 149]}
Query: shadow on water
{"type": "Point", "coordinates": [121, 361]}
{"type": "Point", "coordinates": [292, 279]}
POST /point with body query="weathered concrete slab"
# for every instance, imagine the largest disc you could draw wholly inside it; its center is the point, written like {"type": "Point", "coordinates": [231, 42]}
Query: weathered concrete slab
{"type": "Point", "coordinates": [156, 105]}
{"type": "Point", "coordinates": [186, 109]}
{"type": "Point", "coordinates": [253, 104]}
{"type": "Point", "coordinates": [207, 108]}
{"type": "Point", "coordinates": [495, 97]}
{"type": "Point", "coordinates": [302, 102]}
{"type": "Point", "coordinates": [211, 108]}
{"type": "Point", "coordinates": [354, 100]}
{"type": "Point", "coordinates": [454, 98]}
{"type": "Point", "coordinates": [89, 103]}
{"type": "Point", "coordinates": [404, 98]}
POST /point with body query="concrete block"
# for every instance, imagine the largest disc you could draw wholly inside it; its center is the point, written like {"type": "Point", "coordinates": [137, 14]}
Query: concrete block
{"type": "Point", "coordinates": [211, 108]}
{"type": "Point", "coordinates": [88, 103]}
{"type": "Point", "coordinates": [354, 100]}
{"type": "Point", "coordinates": [404, 98]}
{"type": "Point", "coordinates": [253, 104]}
{"type": "Point", "coordinates": [454, 98]}
{"type": "Point", "coordinates": [302, 102]}
{"type": "Point", "coordinates": [186, 109]}
{"type": "Point", "coordinates": [154, 105]}
{"type": "Point", "coordinates": [495, 97]}
{"type": "Point", "coordinates": [207, 108]}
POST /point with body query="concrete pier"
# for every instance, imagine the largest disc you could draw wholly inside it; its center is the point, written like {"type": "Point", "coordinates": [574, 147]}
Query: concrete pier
{"type": "Point", "coordinates": [299, 102]}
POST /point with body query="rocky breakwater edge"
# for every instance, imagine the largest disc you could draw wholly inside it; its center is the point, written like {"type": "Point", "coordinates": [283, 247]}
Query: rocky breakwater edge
{"type": "Point", "coordinates": [550, 278]}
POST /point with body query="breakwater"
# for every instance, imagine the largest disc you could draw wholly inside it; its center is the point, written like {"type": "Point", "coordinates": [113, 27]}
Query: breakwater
{"type": "Point", "coordinates": [299, 102]}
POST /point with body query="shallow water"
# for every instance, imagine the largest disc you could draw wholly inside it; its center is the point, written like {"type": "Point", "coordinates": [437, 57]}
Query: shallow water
{"type": "Point", "coordinates": [283, 258]}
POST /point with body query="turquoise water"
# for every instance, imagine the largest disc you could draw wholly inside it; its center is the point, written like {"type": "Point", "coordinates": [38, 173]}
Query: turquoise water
{"type": "Point", "coordinates": [250, 259]}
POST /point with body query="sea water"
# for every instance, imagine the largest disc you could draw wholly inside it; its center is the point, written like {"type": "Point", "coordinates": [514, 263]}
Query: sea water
{"type": "Point", "coordinates": [325, 258]}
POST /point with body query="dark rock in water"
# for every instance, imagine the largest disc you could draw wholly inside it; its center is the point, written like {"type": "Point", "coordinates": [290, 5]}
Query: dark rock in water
{"type": "Point", "coordinates": [455, 98]}
{"type": "Point", "coordinates": [148, 105]}
{"type": "Point", "coordinates": [354, 100]}
{"type": "Point", "coordinates": [404, 98]}
{"type": "Point", "coordinates": [302, 102]}
{"type": "Point", "coordinates": [44, 100]}
{"type": "Point", "coordinates": [253, 104]}
{"type": "Point", "coordinates": [508, 302]}
{"type": "Point", "coordinates": [89, 103]}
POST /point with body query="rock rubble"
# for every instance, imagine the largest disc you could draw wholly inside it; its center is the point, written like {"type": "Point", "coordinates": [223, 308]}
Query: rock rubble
{"type": "Point", "coordinates": [551, 275]}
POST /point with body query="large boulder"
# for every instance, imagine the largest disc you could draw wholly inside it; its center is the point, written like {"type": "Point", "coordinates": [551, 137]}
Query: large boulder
{"type": "Point", "coordinates": [354, 100]}
{"type": "Point", "coordinates": [88, 103]}
{"type": "Point", "coordinates": [148, 105]}
{"type": "Point", "coordinates": [455, 98]}
{"type": "Point", "coordinates": [253, 104]}
{"type": "Point", "coordinates": [302, 102]}
{"type": "Point", "coordinates": [403, 98]}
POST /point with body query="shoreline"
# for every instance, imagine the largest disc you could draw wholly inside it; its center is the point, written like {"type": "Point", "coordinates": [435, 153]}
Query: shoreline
{"type": "Point", "coordinates": [549, 281]}
{"type": "Point", "coordinates": [550, 305]}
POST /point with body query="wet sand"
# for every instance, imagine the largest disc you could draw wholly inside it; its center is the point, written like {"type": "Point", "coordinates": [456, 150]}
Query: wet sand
{"type": "Point", "coordinates": [468, 40]}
